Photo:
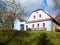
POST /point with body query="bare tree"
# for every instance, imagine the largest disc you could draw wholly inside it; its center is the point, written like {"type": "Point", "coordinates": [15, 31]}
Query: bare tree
{"type": "Point", "coordinates": [2, 10]}
{"type": "Point", "coordinates": [14, 10]}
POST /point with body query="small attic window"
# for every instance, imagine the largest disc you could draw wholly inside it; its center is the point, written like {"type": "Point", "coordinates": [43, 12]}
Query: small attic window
{"type": "Point", "coordinates": [36, 12]}
{"type": "Point", "coordinates": [26, 26]}
{"type": "Point", "coordinates": [34, 17]}
{"type": "Point", "coordinates": [40, 16]}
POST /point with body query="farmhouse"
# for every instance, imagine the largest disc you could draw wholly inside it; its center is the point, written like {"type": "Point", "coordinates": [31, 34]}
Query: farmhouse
{"type": "Point", "coordinates": [38, 20]}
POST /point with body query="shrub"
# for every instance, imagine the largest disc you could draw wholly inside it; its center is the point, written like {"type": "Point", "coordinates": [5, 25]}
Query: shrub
{"type": "Point", "coordinates": [11, 37]}
{"type": "Point", "coordinates": [43, 40]}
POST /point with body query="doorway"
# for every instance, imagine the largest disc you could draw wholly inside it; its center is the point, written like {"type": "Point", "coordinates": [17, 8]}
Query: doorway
{"type": "Point", "coordinates": [22, 27]}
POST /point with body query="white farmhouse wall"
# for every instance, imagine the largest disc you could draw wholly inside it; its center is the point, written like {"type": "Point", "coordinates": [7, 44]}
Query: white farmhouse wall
{"type": "Point", "coordinates": [17, 24]}
{"type": "Point", "coordinates": [24, 23]}
{"type": "Point", "coordinates": [48, 24]}
{"type": "Point", "coordinates": [43, 15]}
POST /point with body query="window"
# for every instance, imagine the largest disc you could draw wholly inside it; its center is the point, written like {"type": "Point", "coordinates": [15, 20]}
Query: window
{"type": "Point", "coordinates": [37, 25]}
{"type": "Point", "coordinates": [34, 17]}
{"type": "Point", "coordinates": [43, 24]}
{"type": "Point", "coordinates": [39, 15]}
{"type": "Point", "coordinates": [36, 12]}
{"type": "Point", "coordinates": [32, 25]}
{"type": "Point", "coordinates": [26, 26]}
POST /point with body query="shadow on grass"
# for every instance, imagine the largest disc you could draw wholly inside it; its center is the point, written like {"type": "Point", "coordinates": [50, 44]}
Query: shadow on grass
{"type": "Point", "coordinates": [12, 36]}
{"type": "Point", "coordinates": [1, 43]}
{"type": "Point", "coordinates": [44, 40]}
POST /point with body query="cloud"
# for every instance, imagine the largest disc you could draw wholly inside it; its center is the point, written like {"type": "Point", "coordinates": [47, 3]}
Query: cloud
{"type": "Point", "coordinates": [30, 1]}
{"type": "Point", "coordinates": [30, 5]}
{"type": "Point", "coordinates": [51, 8]}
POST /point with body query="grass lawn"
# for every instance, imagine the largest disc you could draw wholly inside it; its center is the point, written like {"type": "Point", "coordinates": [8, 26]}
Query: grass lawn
{"type": "Point", "coordinates": [29, 38]}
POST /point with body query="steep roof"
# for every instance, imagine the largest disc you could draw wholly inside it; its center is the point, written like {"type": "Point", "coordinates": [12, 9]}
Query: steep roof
{"type": "Point", "coordinates": [37, 9]}
{"type": "Point", "coordinates": [54, 20]}
{"type": "Point", "coordinates": [57, 18]}
{"type": "Point", "coordinates": [40, 19]}
{"type": "Point", "coordinates": [22, 20]}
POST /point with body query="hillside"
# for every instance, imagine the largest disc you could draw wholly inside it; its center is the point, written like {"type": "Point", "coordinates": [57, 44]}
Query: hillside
{"type": "Point", "coordinates": [29, 38]}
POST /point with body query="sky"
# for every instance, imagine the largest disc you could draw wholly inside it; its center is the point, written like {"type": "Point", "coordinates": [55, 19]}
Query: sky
{"type": "Point", "coordinates": [31, 5]}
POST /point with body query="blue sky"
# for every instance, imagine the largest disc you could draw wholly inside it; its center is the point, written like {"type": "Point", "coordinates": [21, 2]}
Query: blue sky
{"type": "Point", "coordinates": [31, 5]}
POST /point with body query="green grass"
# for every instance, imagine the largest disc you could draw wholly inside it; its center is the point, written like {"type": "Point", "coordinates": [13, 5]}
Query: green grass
{"type": "Point", "coordinates": [27, 37]}
{"type": "Point", "coordinates": [4, 28]}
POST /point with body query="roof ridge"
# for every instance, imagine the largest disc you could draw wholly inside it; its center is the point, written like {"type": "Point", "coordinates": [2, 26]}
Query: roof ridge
{"type": "Point", "coordinates": [37, 9]}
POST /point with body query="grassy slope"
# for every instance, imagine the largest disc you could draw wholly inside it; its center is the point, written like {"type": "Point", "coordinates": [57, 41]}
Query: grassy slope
{"type": "Point", "coordinates": [4, 28]}
{"type": "Point", "coordinates": [27, 38]}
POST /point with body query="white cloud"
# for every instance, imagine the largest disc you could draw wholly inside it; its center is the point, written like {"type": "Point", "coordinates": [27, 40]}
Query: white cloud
{"type": "Point", "coordinates": [30, 5]}
{"type": "Point", "coordinates": [51, 6]}
{"type": "Point", "coordinates": [30, 1]}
